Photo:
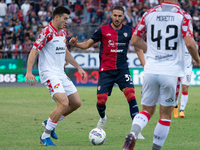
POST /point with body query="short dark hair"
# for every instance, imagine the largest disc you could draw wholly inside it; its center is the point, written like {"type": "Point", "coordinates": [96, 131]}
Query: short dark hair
{"type": "Point", "coordinates": [60, 10]}
{"type": "Point", "coordinates": [117, 7]}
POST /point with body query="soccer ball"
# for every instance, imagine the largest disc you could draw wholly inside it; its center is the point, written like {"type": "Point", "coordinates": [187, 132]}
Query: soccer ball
{"type": "Point", "coordinates": [97, 136]}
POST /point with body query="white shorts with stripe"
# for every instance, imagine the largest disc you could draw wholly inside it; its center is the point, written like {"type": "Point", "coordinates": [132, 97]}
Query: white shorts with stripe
{"type": "Point", "coordinates": [160, 89]}
{"type": "Point", "coordinates": [60, 84]}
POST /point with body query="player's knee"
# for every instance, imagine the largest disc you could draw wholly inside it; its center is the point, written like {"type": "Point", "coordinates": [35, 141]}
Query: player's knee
{"type": "Point", "coordinates": [76, 105]}
{"type": "Point", "coordinates": [129, 93]}
{"type": "Point", "coordinates": [102, 98]}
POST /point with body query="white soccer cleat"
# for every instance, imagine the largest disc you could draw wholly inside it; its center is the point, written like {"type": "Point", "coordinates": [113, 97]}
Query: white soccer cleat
{"type": "Point", "coordinates": [101, 122]}
{"type": "Point", "coordinates": [140, 136]}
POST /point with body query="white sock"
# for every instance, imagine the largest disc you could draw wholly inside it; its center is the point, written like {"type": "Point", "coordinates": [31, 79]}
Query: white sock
{"type": "Point", "coordinates": [161, 131]}
{"type": "Point", "coordinates": [184, 100]}
{"type": "Point", "coordinates": [49, 127]}
{"type": "Point", "coordinates": [62, 117]}
{"type": "Point", "coordinates": [139, 122]}
{"type": "Point", "coordinates": [104, 119]}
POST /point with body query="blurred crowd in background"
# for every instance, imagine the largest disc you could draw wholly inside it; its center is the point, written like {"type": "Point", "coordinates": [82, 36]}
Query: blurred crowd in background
{"type": "Point", "coordinates": [22, 20]}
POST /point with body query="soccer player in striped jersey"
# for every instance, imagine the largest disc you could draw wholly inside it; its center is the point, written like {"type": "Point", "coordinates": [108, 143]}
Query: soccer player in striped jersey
{"type": "Point", "coordinates": [113, 68]}
{"type": "Point", "coordinates": [168, 29]}
{"type": "Point", "coordinates": [53, 54]}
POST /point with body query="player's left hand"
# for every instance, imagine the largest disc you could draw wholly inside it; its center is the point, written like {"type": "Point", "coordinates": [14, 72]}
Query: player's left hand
{"type": "Point", "coordinates": [73, 41]}
{"type": "Point", "coordinates": [82, 73]}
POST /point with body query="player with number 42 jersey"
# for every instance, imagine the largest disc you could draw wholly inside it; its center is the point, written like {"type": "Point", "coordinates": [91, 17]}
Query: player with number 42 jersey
{"type": "Point", "coordinates": [165, 47]}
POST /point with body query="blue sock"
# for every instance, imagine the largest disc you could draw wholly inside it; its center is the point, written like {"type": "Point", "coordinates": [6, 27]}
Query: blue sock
{"type": "Point", "coordinates": [133, 107]}
{"type": "Point", "coordinates": [101, 110]}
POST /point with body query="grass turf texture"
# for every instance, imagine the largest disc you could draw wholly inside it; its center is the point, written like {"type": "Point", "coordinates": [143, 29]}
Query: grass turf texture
{"type": "Point", "coordinates": [23, 109]}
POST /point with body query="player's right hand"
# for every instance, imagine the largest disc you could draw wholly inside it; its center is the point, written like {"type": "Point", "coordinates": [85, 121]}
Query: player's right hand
{"type": "Point", "coordinates": [73, 41]}
{"type": "Point", "coordinates": [30, 79]}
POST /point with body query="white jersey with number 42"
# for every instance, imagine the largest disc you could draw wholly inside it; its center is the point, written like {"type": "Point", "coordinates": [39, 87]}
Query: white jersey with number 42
{"type": "Point", "coordinates": [165, 26]}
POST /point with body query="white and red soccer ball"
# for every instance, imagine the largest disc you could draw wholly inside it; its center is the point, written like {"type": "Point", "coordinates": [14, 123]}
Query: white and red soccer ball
{"type": "Point", "coordinates": [97, 136]}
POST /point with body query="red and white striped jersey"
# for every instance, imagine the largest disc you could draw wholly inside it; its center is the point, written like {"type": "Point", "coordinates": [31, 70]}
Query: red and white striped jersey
{"type": "Point", "coordinates": [165, 27]}
{"type": "Point", "coordinates": [51, 45]}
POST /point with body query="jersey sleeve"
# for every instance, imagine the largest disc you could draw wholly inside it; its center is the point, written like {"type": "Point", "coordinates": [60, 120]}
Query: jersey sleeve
{"type": "Point", "coordinates": [42, 39]}
{"type": "Point", "coordinates": [97, 36]}
{"type": "Point", "coordinates": [133, 30]}
{"type": "Point", "coordinates": [187, 27]}
{"type": "Point", "coordinates": [141, 27]}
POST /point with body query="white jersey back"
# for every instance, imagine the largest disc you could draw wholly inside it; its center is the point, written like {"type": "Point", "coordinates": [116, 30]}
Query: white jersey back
{"type": "Point", "coordinates": [165, 26]}
{"type": "Point", "coordinates": [51, 45]}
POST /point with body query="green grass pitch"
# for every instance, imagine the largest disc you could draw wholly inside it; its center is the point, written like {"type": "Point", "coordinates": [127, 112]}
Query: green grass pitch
{"type": "Point", "coordinates": [23, 109]}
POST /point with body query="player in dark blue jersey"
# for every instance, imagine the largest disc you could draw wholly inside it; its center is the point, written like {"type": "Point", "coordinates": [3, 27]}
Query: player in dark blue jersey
{"type": "Point", "coordinates": [114, 40]}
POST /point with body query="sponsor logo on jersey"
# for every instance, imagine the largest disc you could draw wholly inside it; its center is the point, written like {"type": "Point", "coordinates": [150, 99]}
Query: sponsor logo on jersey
{"type": "Point", "coordinates": [111, 43]}
{"type": "Point", "coordinates": [125, 34]}
{"type": "Point", "coordinates": [116, 50]}
{"type": "Point", "coordinates": [60, 48]}
{"type": "Point", "coordinates": [108, 34]}
{"type": "Point", "coordinates": [158, 57]}
{"type": "Point", "coordinates": [57, 85]}
{"type": "Point", "coordinates": [121, 44]}
{"type": "Point", "coordinates": [56, 41]}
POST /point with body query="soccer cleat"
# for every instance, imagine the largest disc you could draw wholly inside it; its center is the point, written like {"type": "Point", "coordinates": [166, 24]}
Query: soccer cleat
{"type": "Point", "coordinates": [46, 142]}
{"type": "Point", "coordinates": [181, 114]}
{"type": "Point", "coordinates": [129, 142]}
{"type": "Point", "coordinates": [101, 123]}
{"type": "Point", "coordinates": [176, 112]}
{"type": "Point", "coordinates": [53, 134]}
{"type": "Point", "coordinates": [140, 136]}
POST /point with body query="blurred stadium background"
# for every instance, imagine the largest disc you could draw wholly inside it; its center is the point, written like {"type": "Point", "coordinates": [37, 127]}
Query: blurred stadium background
{"type": "Point", "coordinates": [22, 20]}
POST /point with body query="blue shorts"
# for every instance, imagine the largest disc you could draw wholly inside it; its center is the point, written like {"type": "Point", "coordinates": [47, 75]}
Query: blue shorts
{"type": "Point", "coordinates": [107, 79]}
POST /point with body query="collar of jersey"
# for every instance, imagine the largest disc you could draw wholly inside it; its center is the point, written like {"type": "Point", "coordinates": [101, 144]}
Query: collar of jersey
{"type": "Point", "coordinates": [53, 27]}
{"type": "Point", "coordinates": [170, 3]}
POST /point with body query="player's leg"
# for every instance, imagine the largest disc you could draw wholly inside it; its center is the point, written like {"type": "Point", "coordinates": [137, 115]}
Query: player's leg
{"type": "Point", "coordinates": [74, 103]}
{"type": "Point", "coordinates": [101, 107]}
{"type": "Point", "coordinates": [184, 96]}
{"type": "Point", "coordinates": [62, 104]}
{"type": "Point", "coordinates": [125, 83]}
{"type": "Point", "coordinates": [57, 91]}
{"type": "Point", "coordinates": [129, 93]}
{"type": "Point", "coordinates": [104, 89]}
{"type": "Point", "coordinates": [150, 93]}
{"type": "Point", "coordinates": [168, 88]}
{"type": "Point", "coordinates": [162, 128]}
{"type": "Point", "coordinates": [177, 98]}
{"type": "Point", "coordinates": [184, 100]}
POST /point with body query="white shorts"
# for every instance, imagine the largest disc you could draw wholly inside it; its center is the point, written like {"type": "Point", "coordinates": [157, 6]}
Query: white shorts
{"type": "Point", "coordinates": [160, 89]}
{"type": "Point", "coordinates": [187, 78]}
{"type": "Point", "coordinates": [62, 84]}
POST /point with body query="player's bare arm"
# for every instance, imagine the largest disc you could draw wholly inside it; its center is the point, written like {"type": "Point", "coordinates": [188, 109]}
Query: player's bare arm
{"type": "Point", "coordinates": [30, 78]}
{"type": "Point", "coordinates": [192, 48]}
{"type": "Point", "coordinates": [83, 45]}
{"type": "Point", "coordinates": [69, 58]}
{"type": "Point", "coordinates": [138, 42]}
{"type": "Point", "coordinates": [140, 55]}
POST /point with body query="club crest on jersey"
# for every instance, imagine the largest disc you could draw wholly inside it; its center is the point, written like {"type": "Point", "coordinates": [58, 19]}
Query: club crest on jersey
{"type": "Point", "coordinates": [125, 34]}
{"type": "Point", "coordinates": [65, 40]}
{"type": "Point", "coordinates": [57, 85]}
